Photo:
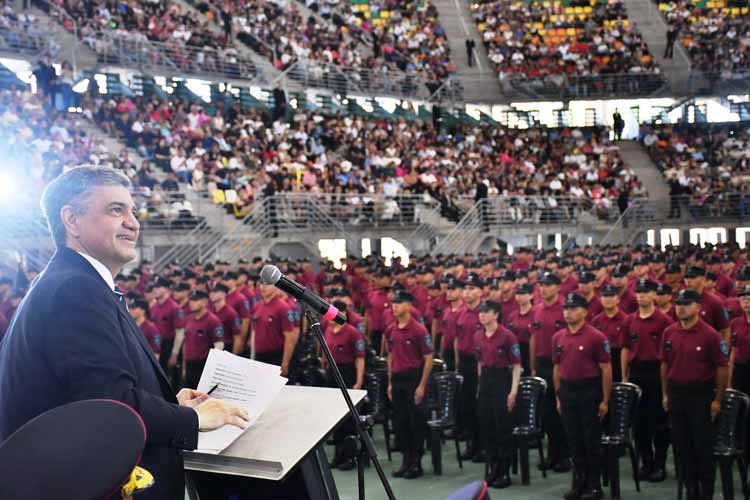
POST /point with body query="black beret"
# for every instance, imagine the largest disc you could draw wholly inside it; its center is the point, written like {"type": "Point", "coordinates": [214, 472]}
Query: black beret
{"type": "Point", "coordinates": [687, 296]}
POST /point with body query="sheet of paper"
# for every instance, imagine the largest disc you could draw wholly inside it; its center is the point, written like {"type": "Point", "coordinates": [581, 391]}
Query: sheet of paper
{"type": "Point", "coordinates": [250, 384]}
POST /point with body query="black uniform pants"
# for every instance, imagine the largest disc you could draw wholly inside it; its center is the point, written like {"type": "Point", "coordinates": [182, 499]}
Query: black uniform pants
{"type": "Point", "coordinates": [495, 422]}
{"type": "Point", "coordinates": [741, 382]}
{"type": "Point", "coordinates": [349, 374]}
{"type": "Point", "coordinates": [525, 359]}
{"type": "Point", "coordinates": [270, 357]}
{"type": "Point", "coordinates": [651, 434]}
{"type": "Point", "coordinates": [193, 371]}
{"type": "Point", "coordinates": [467, 412]}
{"type": "Point", "coordinates": [551, 423]}
{"type": "Point", "coordinates": [410, 419]}
{"type": "Point", "coordinates": [616, 364]}
{"type": "Point", "coordinates": [449, 356]}
{"type": "Point", "coordinates": [579, 409]}
{"type": "Point", "coordinates": [174, 373]}
{"type": "Point", "coordinates": [690, 414]}
{"type": "Point", "coordinates": [376, 340]}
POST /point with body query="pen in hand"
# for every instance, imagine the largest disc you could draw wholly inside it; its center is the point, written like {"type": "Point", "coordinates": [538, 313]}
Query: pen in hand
{"type": "Point", "coordinates": [212, 389]}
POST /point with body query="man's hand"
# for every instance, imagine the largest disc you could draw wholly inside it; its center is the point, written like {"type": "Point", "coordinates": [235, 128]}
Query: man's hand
{"type": "Point", "coordinates": [357, 386]}
{"type": "Point", "coordinates": [172, 361]}
{"type": "Point", "coordinates": [511, 401]}
{"type": "Point", "coordinates": [215, 413]}
{"type": "Point", "coordinates": [390, 392]}
{"type": "Point", "coordinates": [557, 403]}
{"type": "Point", "coordinates": [284, 369]}
{"type": "Point", "coordinates": [191, 398]}
{"type": "Point", "coordinates": [603, 409]}
{"type": "Point", "coordinates": [419, 395]}
{"type": "Point", "coordinates": [665, 403]}
{"type": "Point", "coordinates": [715, 408]}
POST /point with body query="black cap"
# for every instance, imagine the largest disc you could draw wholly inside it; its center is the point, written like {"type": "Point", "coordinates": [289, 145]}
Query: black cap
{"type": "Point", "coordinates": [435, 285]}
{"type": "Point", "coordinates": [454, 283]}
{"type": "Point", "coordinates": [140, 303]}
{"type": "Point", "coordinates": [30, 459]}
{"type": "Point", "coordinates": [745, 292]}
{"type": "Point", "coordinates": [182, 287]}
{"type": "Point", "coordinates": [673, 268]}
{"type": "Point", "coordinates": [473, 279]}
{"type": "Point", "coordinates": [231, 275]}
{"type": "Point", "coordinates": [609, 291]}
{"type": "Point", "coordinates": [710, 276]}
{"type": "Point", "coordinates": [522, 273]}
{"type": "Point", "coordinates": [220, 287]}
{"type": "Point", "coordinates": [198, 295]}
{"type": "Point", "coordinates": [687, 296]}
{"type": "Point", "coordinates": [641, 261]}
{"type": "Point", "coordinates": [695, 271]}
{"type": "Point", "coordinates": [550, 278]}
{"type": "Point", "coordinates": [402, 296]}
{"type": "Point", "coordinates": [508, 275]}
{"type": "Point", "coordinates": [490, 305]}
{"type": "Point", "coordinates": [598, 264]}
{"type": "Point", "coordinates": [161, 281]}
{"type": "Point", "coordinates": [524, 289]}
{"type": "Point", "coordinates": [586, 277]}
{"type": "Point", "coordinates": [645, 286]}
{"type": "Point", "coordinates": [620, 271]}
{"type": "Point", "coordinates": [663, 289]}
{"type": "Point", "coordinates": [744, 273]}
{"type": "Point", "coordinates": [575, 300]}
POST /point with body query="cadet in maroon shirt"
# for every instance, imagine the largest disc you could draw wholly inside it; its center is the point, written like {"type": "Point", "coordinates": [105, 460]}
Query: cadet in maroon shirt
{"type": "Point", "coordinates": [203, 332]}
{"type": "Point", "coordinates": [375, 305]}
{"type": "Point", "coordinates": [465, 347]}
{"type": "Point", "coordinates": [348, 347]}
{"type": "Point", "coordinates": [499, 375]}
{"type": "Point", "coordinates": [139, 311]}
{"type": "Point", "coordinates": [507, 294]}
{"type": "Point", "coordinates": [583, 381]}
{"type": "Point", "coordinates": [587, 288]}
{"type": "Point", "coordinates": [712, 307]}
{"type": "Point", "coordinates": [640, 365]}
{"type": "Point", "coordinates": [449, 322]}
{"type": "Point", "coordinates": [611, 322]}
{"type": "Point", "coordinates": [229, 318]}
{"type": "Point", "coordinates": [619, 279]}
{"type": "Point", "coordinates": [694, 360]}
{"type": "Point", "coordinates": [739, 362]}
{"type": "Point", "coordinates": [169, 318]}
{"type": "Point", "coordinates": [568, 282]}
{"type": "Point", "coordinates": [664, 301]}
{"type": "Point", "coordinates": [273, 327]}
{"type": "Point", "coordinates": [548, 320]}
{"type": "Point", "coordinates": [409, 347]}
{"type": "Point", "coordinates": [520, 322]}
{"type": "Point", "coordinates": [241, 304]}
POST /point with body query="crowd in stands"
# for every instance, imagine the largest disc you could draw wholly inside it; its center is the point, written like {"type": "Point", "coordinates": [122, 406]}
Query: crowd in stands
{"type": "Point", "coordinates": [176, 37]}
{"type": "Point", "coordinates": [563, 45]}
{"type": "Point", "coordinates": [715, 33]}
{"type": "Point", "coordinates": [707, 167]}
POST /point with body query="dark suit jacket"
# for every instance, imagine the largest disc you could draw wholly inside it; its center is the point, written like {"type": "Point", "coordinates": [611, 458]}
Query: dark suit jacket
{"type": "Point", "coordinates": [72, 339]}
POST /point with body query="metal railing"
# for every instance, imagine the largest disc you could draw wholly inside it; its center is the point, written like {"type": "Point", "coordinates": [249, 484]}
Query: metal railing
{"type": "Point", "coordinates": [28, 42]}
{"type": "Point", "coordinates": [465, 235]}
{"type": "Point", "coordinates": [27, 236]}
{"type": "Point", "coordinates": [169, 211]}
{"type": "Point", "coordinates": [171, 58]}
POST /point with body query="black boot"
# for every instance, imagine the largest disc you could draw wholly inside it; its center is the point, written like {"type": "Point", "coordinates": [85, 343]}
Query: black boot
{"type": "Point", "coordinates": [647, 467]}
{"type": "Point", "coordinates": [658, 474]}
{"type": "Point", "coordinates": [503, 476]}
{"type": "Point", "coordinates": [470, 451]}
{"type": "Point", "coordinates": [493, 469]}
{"type": "Point", "coordinates": [562, 466]}
{"type": "Point", "coordinates": [575, 492]}
{"type": "Point", "coordinates": [338, 457]}
{"type": "Point", "coordinates": [415, 470]}
{"type": "Point", "coordinates": [592, 493]}
{"type": "Point", "coordinates": [404, 465]}
{"type": "Point", "coordinates": [479, 457]}
{"type": "Point", "coordinates": [691, 490]}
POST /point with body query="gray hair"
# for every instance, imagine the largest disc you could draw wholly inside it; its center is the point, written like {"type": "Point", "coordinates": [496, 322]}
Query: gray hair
{"type": "Point", "coordinates": [72, 188]}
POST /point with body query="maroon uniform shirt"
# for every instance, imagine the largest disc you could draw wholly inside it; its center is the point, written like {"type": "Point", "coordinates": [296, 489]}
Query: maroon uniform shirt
{"type": "Point", "coordinates": [499, 350]}
{"type": "Point", "coordinates": [521, 325]}
{"type": "Point", "coordinates": [643, 336]}
{"type": "Point", "coordinates": [407, 346]}
{"type": "Point", "coordinates": [449, 324]}
{"type": "Point", "coordinates": [346, 345]}
{"type": "Point", "coordinates": [352, 318]}
{"type": "Point", "coordinates": [377, 304]}
{"type": "Point", "coordinates": [579, 354]}
{"type": "Point", "coordinates": [152, 334]}
{"type": "Point", "coordinates": [421, 298]}
{"type": "Point", "coordinates": [693, 355]}
{"type": "Point", "coordinates": [740, 328]}
{"type": "Point", "coordinates": [570, 285]}
{"type": "Point", "coordinates": [628, 302]}
{"type": "Point", "coordinates": [432, 308]}
{"type": "Point", "coordinates": [724, 285]}
{"type": "Point", "coordinates": [270, 321]}
{"type": "Point", "coordinates": [467, 327]}
{"type": "Point", "coordinates": [168, 317]}
{"type": "Point", "coordinates": [611, 327]}
{"type": "Point", "coordinates": [231, 322]}
{"type": "Point", "coordinates": [240, 303]}
{"type": "Point", "coordinates": [508, 307]}
{"type": "Point", "coordinates": [732, 308]}
{"type": "Point", "coordinates": [200, 336]}
{"type": "Point", "coordinates": [712, 312]}
{"type": "Point", "coordinates": [595, 307]}
{"type": "Point", "coordinates": [547, 320]}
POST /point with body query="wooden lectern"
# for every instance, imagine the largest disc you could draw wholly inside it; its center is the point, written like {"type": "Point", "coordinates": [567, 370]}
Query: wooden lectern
{"type": "Point", "coordinates": [280, 456]}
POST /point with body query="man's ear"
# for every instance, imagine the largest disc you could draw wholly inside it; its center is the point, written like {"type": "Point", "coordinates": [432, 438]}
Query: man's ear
{"type": "Point", "coordinates": [69, 218]}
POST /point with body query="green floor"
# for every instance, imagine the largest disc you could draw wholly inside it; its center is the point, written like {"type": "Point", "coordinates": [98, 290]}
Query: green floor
{"type": "Point", "coordinates": [432, 487]}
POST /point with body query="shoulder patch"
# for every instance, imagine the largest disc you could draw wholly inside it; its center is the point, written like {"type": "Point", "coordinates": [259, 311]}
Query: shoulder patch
{"type": "Point", "coordinates": [237, 323]}
{"type": "Point", "coordinates": [724, 347]}
{"type": "Point", "coordinates": [219, 332]}
{"type": "Point", "coordinates": [516, 350]}
{"type": "Point", "coordinates": [180, 314]}
{"type": "Point", "coordinates": [428, 340]}
{"type": "Point", "coordinates": [290, 316]}
{"type": "Point", "coordinates": [607, 348]}
{"type": "Point", "coordinates": [359, 345]}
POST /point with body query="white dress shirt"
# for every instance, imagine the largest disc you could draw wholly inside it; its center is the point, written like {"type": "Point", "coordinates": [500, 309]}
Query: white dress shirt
{"type": "Point", "coordinates": [105, 273]}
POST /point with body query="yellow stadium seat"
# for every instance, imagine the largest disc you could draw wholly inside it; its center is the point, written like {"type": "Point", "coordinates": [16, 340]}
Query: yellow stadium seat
{"type": "Point", "coordinates": [570, 32]}
{"type": "Point", "coordinates": [218, 197]}
{"type": "Point", "coordinates": [744, 10]}
{"type": "Point", "coordinates": [735, 11]}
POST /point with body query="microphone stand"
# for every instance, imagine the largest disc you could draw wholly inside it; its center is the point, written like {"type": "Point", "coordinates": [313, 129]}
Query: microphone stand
{"type": "Point", "coordinates": [365, 447]}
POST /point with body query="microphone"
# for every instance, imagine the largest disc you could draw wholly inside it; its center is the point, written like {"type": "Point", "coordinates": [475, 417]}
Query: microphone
{"type": "Point", "coordinates": [270, 275]}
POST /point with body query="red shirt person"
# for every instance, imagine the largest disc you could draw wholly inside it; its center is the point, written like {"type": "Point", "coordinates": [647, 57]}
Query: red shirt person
{"type": "Point", "coordinates": [611, 322]}
{"type": "Point", "coordinates": [739, 362]}
{"type": "Point", "coordinates": [203, 332]}
{"type": "Point", "coordinates": [169, 318]}
{"type": "Point", "coordinates": [139, 311]}
{"type": "Point", "coordinates": [273, 329]}
{"type": "Point", "coordinates": [230, 320]}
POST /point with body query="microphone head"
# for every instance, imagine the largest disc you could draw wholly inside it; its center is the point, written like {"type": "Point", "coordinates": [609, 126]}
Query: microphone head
{"type": "Point", "coordinates": [270, 274]}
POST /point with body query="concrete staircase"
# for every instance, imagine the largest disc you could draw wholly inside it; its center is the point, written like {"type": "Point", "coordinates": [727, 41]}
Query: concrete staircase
{"type": "Point", "coordinates": [635, 157]}
{"type": "Point", "coordinates": [649, 21]}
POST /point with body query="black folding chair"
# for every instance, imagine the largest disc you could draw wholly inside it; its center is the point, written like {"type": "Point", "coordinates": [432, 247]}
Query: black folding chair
{"type": "Point", "coordinates": [528, 431]}
{"type": "Point", "coordinates": [729, 441]}
{"type": "Point", "coordinates": [447, 387]}
{"type": "Point", "coordinates": [623, 404]}
{"type": "Point", "coordinates": [377, 395]}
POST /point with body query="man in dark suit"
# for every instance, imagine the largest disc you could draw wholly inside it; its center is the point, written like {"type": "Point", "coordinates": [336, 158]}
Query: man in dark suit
{"type": "Point", "coordinates": [73, 338]}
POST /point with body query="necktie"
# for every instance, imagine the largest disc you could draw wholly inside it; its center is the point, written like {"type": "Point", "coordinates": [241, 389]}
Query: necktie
{"type": "Point", "coordinates": [121, 298]}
